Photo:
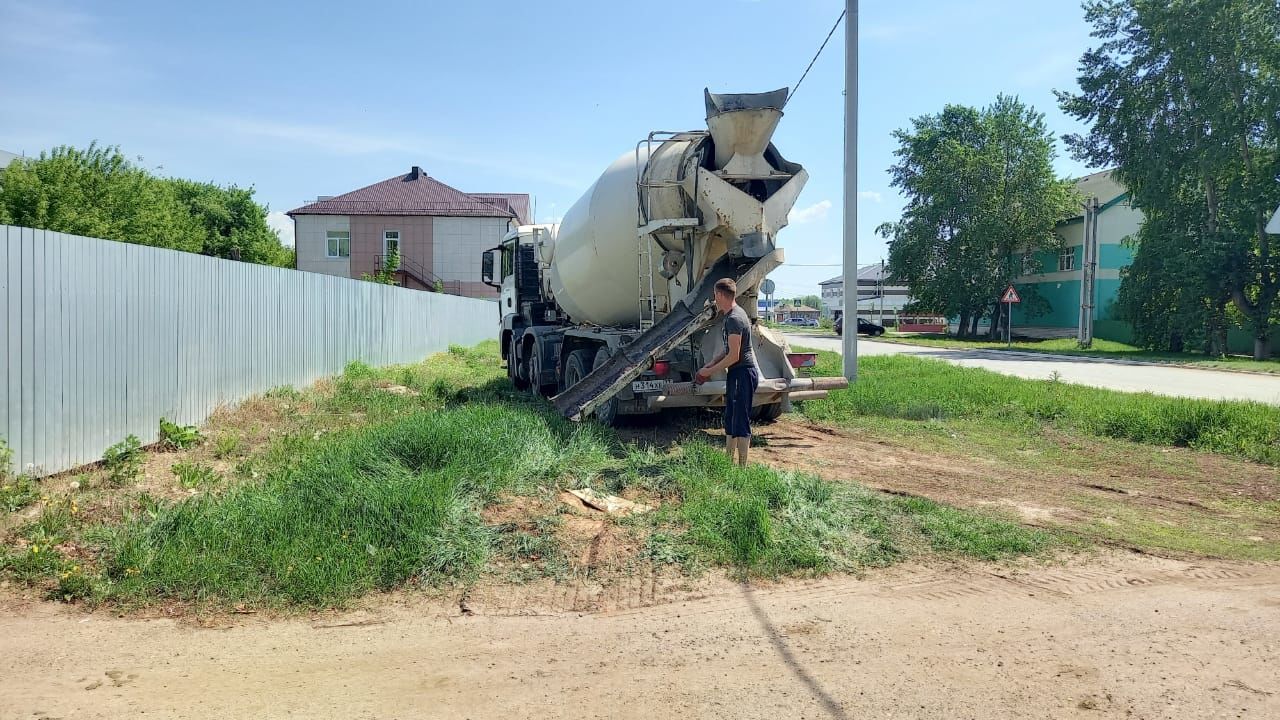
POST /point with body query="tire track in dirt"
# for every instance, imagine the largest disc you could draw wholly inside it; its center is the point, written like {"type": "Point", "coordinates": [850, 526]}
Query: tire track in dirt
{"type": "Point", "coordinates": [1110, 636]}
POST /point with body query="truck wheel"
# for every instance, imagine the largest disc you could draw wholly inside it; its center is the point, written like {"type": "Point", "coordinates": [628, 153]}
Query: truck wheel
{"type": "Point", "coordinates": [606, 412]}
{"type": "Point", "coordinates": [513, 368]}
{"type": "Point", "coordinates": [766, 413]}
{"type": "Point", "coordinates": [536, 387]}
{"type": "Point", "coordinates": [575, 368]}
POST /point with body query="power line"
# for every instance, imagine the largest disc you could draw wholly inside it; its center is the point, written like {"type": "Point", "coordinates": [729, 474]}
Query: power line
{"type": "Point", "coordinates": [815, 58]}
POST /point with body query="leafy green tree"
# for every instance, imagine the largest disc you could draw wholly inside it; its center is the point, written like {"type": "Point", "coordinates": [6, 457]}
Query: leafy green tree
{"type": "Point", "coordinates": [98, 192]}
{"type": "Point", "coordinates": [1183, 96]}
{"type": "Point", "coordinates": [981, 194]}
{"type": "Point", "coordinates": [232, 223]}
{"type": "Point", "coordinates": [95, 192]}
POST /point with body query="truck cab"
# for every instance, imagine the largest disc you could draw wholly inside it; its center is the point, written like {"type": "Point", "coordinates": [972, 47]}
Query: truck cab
{"type": "Point", "coordinates": [512, 268]}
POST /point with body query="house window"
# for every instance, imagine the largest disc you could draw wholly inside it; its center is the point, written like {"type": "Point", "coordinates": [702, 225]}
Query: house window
{"type": "Point", "coordinates": [339, 245]}
{"type": "Point", "coordinates": [1067, 260]}
{"type": "Point", "coordinates": [391, 244]}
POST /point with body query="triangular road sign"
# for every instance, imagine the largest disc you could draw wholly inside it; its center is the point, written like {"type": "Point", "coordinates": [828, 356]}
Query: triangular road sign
{"type": "Point", "coordinates": [1273, 227]}
{"type": "Point", "coordinates": [1010, 296]}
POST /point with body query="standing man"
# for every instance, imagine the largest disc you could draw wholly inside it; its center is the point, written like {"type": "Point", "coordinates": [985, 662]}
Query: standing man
{"type": "Point", "coordinates": [740, 361]}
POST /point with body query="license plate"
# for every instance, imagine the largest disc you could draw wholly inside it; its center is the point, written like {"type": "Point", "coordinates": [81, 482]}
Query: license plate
{"type": "Point", "coordinates": [644, 386]}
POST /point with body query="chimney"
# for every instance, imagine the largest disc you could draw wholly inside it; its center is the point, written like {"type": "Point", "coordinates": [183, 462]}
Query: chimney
{"type": "Point", "coordinates": [416, 173]}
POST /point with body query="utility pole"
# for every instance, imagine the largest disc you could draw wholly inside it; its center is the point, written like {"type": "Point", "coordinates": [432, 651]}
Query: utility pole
{"type": "Point", "coordinates": [880, 289]}
{"type": "Point", "coordinates": [1088, 273]}
{"type": "Point", "coordinates": [850, 333]}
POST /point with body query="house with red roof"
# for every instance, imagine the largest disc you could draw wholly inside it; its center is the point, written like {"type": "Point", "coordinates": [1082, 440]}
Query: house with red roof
{"type": "Point", "coordinates": [438, 231]}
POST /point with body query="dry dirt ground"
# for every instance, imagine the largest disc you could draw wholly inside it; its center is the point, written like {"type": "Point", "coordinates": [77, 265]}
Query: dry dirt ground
{"type": "Point", "coordinates": [1173, 500]}
{"type": "Point", "coordinates": [1118, 636]}
{"type": "Point", "coordinates": [1111, 635]}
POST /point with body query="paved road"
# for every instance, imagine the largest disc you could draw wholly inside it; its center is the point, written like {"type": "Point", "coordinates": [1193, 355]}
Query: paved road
{"type": "Point", "coordinates": [1111, 374]}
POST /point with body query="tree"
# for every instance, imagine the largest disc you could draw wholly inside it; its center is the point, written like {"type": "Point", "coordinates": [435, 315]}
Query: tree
{"type": "Point", "coordinates": [232, 223]}
{"type": "Point", "coordinates": [386, 275]}
{"type": "Point", "coordinates": [1183, 96]}
{"type": "Point", "coordinates": [981, 194]}
{"type": "Point", "coordinates": [97, 192]}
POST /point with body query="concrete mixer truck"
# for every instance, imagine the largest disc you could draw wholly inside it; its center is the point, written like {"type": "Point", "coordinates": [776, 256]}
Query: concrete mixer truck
{"type": "Point", "coordinates": [610, 312]}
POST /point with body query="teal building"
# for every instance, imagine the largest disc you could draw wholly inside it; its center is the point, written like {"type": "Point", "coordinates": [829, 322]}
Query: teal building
{"type": "Point", "coordinates": [1057, 276]}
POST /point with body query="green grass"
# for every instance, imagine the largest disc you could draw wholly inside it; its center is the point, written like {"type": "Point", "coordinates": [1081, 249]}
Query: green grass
{"type": "Point", "coordinates": [765, 522]}
{"type": "Point", "coordinates": [371, 509]}
{"type": "Point", "coordinates": [1101, 349]}
{"type": "Point", "coordinates": [390, 493]}
{"type": "Point", "coordinates": [921, 389]}
{"type": "Point", "coordinates": [17, 492]}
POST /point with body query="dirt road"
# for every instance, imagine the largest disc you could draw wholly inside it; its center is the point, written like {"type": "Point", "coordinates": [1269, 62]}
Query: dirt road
{"type": "Point", "coordinates": [1121, 636]}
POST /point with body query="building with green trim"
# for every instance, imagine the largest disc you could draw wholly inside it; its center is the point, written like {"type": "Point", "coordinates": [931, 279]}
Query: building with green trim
{"type": "Point", "coordinates": [1050, 284]}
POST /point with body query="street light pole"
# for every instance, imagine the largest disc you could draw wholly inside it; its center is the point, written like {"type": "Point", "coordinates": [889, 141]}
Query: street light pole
{"type": "Point", "coordinates": [850, 332]}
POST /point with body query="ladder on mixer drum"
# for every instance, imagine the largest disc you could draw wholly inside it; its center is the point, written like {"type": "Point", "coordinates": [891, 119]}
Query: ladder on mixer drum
{"type": "Point", "coordinates": [649, 231]}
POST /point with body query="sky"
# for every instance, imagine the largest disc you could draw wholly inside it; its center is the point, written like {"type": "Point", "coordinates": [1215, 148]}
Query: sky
{"type": "Point", "coordinates": [320, 98]}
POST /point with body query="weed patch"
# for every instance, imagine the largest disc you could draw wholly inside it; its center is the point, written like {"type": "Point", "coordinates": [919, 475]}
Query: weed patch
{"type": "Point", "coordinates": [196, 475]}
{"type": "Point", "coordinates": [371, 509]}
{"type": "Point", "coordinates": [123, 461]}
{"type": "Point", "coordinates": [766, 522]}
{"type": "Point", "coordinates": [178, 437]}
{"type": "Point", "coordinates": [17, 492]}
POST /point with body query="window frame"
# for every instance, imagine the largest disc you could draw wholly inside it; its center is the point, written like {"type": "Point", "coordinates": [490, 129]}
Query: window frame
{"type": "Point", "coordinates": [1065, 255]}
{"type": "Point", "coordinates": [333, 244]}
{"type": "Point", "coordinates": [399, 246]}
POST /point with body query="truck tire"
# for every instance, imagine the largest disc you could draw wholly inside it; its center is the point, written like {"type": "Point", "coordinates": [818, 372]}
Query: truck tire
{"type": "Point", "coordinates": [576, 367]}
{"type": "Point", "coordinates": [766, 413]}
{"type": "Point", "coordinates": [606, 412]}
{"type": "Point", "coordinates": [536, 386]}
{"type": "Point", "coordinates": [513, 367]}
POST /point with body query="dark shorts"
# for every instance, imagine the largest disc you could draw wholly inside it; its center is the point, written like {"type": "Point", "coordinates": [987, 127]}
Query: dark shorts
{"type": "Point", "coordinates": [738, 395]}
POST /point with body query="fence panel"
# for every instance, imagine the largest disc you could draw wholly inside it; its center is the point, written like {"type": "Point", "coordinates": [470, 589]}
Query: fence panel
{"type": "Point", "coordinates": [101, 339]}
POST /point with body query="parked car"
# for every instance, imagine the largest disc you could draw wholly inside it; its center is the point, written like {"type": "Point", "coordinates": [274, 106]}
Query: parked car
{"type": "Point", "coordinates": [802, 322]}
{"type": "Point", "coordinates": [864, 328]}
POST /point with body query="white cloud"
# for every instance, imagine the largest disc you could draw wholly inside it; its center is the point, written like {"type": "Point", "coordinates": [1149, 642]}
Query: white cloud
{"type": "Point", "coordinates": [871, 195]}
{"type": "Point", "coordinates": [45, 27]}
{"type": "Point", "coordinates": [283, 225]}
{"type": "Point", "coordinates": [333, 140]}
{"type": "Point", "coordinates": [816, 211]}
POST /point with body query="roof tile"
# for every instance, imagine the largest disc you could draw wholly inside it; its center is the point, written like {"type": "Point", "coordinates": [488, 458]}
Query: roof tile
{"type": "Point", "coordinates": [416, 193]}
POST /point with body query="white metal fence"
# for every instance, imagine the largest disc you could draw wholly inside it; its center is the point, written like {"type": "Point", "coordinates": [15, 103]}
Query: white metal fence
{"type": "Point", "coordinates": [101, 339]}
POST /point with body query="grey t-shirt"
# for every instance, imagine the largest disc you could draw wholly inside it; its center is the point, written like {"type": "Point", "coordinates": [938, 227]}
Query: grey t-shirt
{"type": "Point", "coordinates": [737, 323]}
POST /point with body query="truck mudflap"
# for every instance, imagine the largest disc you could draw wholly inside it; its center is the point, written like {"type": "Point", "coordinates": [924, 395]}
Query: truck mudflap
{"type": "Point", "coordinates": [688, 316]}
{"type": "Point", "coordinates": [768, 392]}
